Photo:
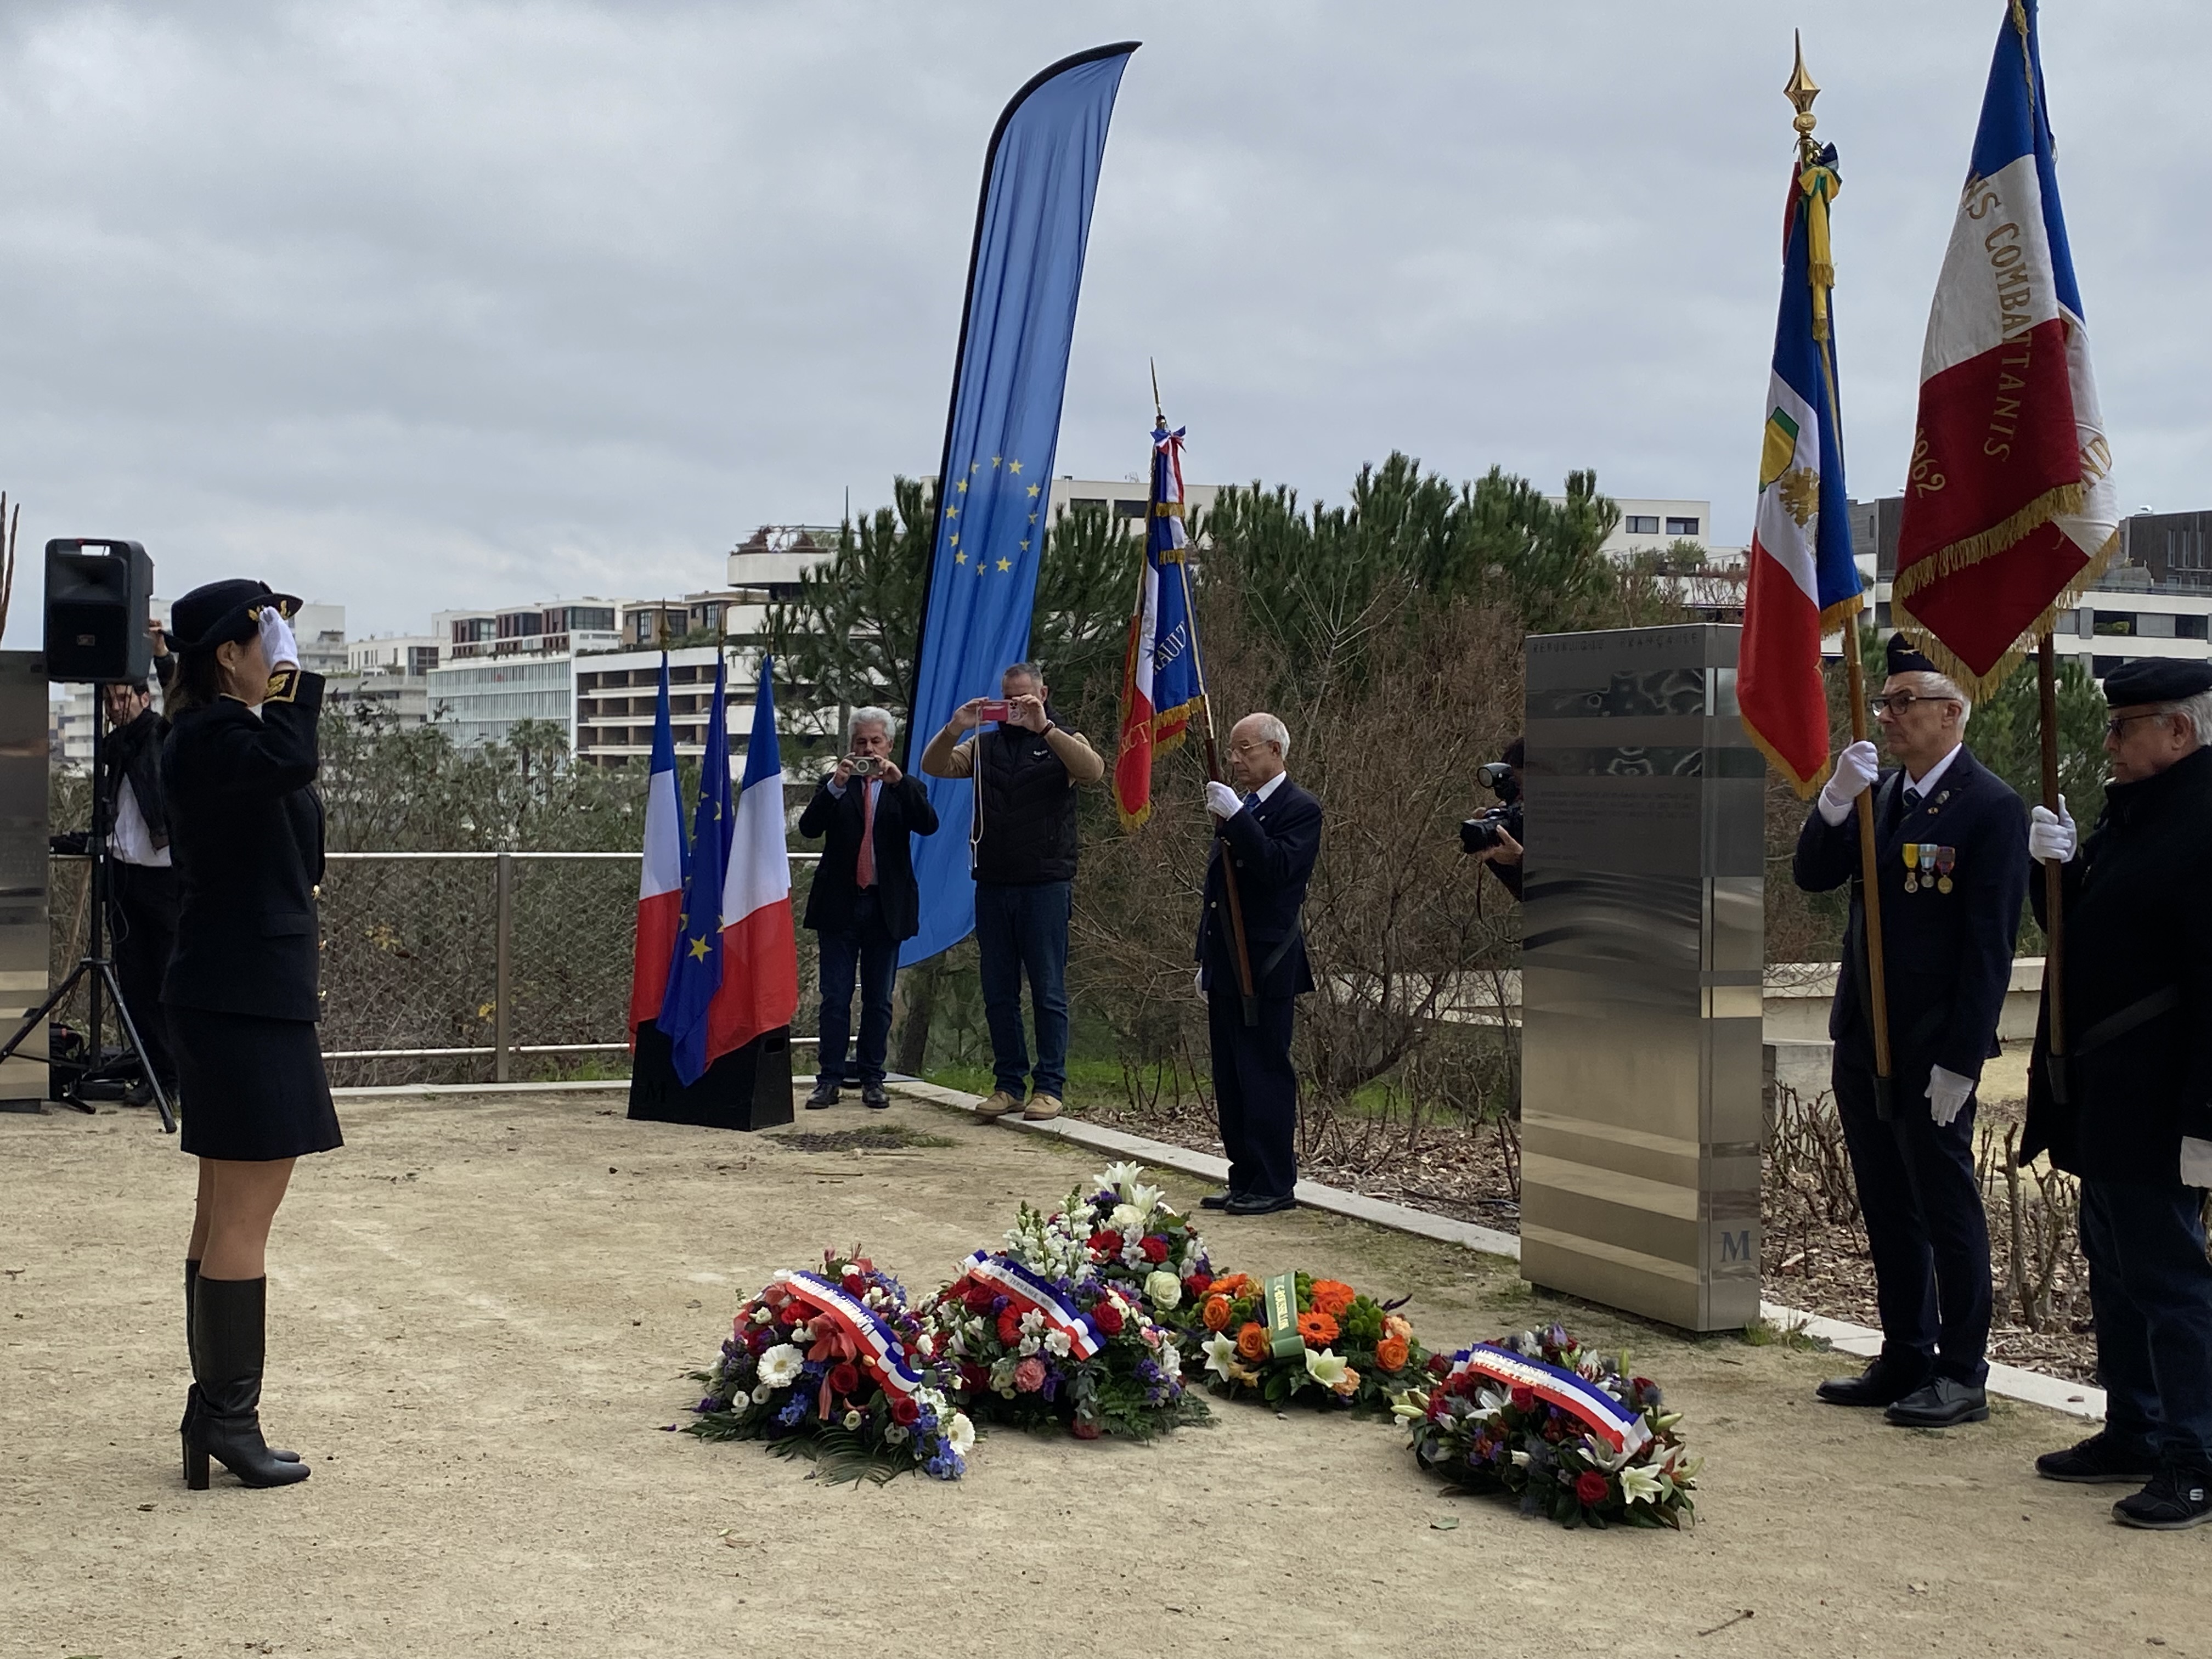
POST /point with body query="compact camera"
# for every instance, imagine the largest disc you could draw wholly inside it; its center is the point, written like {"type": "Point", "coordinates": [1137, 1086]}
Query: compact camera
{"type": "Point", "coordinates": [998, 710]}
{"type": "Point", "coordinates": [864, 766]}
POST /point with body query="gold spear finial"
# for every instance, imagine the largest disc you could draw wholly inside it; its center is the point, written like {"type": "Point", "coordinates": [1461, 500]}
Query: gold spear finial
{"type": "Point", "coordinates": [1802, 90]}
{"type": "Point", "coordinates": [1159, 414]}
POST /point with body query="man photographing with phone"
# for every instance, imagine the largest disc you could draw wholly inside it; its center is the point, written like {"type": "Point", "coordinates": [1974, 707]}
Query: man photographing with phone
{"type": "Point", "coordinates": [1022, 852]}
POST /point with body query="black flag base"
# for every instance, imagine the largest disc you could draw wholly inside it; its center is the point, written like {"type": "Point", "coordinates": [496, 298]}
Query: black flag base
{"type": "Point", "coordinates": [748, 1088]}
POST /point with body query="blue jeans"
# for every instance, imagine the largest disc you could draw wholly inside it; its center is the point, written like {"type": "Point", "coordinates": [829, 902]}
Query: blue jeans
{"type": "Point", "coordinates": [1025, 930]}
{"type": "Point", "coordinates": [2150, 1292]}
{"type": "Point", "coordinates": [861, 951]}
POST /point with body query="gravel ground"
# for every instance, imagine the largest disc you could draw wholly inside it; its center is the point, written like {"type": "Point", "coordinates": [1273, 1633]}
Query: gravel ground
{"type": "Point", "coordinates": [482, 1309]}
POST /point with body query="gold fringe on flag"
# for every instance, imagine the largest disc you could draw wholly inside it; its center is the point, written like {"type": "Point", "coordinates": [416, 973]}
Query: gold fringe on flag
{"type": "Point", "coordinates": [1978, 686]}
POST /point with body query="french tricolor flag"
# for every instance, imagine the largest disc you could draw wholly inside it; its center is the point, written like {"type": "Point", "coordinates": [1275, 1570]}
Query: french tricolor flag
{"type": "Point", "coordinates": [760, 952]}
{"type": "Point", "coordinates": [660, 886]}
{"type": "Point", "coordinates": [2011, 510]}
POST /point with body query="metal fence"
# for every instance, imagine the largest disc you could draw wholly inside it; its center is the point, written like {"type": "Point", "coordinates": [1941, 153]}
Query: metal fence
{"type": "Point", "coordinates": [469, 967]}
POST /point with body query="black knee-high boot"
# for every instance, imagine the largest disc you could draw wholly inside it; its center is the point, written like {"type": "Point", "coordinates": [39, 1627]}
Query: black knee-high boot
{"type": "Point", "coordinates": [193, 1393]}
{"type": "Point", "coordinates": [228, 1347]}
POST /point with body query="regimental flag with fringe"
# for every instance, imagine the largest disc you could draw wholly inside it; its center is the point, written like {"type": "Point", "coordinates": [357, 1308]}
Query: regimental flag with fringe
{"type": "Point", "coordinates": [1802, 580]}
{"type": "Point", "coordinates": [2010, 511]}
{"type": "Point", "coordinates": [1160, 684]}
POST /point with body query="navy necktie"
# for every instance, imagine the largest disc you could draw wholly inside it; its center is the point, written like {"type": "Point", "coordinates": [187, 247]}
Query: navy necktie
{"type": "Point", "coordinates": [1911, 798]}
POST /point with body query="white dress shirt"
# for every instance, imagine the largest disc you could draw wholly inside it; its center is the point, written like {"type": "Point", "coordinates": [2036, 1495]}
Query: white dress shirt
{"type": "Point", "coordinates": [131, 842]}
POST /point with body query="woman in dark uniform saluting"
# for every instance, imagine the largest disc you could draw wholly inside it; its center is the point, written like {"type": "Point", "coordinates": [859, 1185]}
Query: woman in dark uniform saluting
{"type": "Point", "coordinates": [246, 829]}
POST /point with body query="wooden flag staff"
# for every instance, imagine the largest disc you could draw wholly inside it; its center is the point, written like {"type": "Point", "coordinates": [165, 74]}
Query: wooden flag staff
{"type": "Point", "coordinates": [1242, 951]}
{"type": "Point", "coordinates": [1800, 91]}
{"type": "Point", "coordinates": [2054, 929]}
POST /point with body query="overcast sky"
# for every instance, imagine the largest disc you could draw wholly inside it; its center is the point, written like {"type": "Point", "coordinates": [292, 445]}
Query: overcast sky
{"type": "Point", "coordinates": [415, 306]}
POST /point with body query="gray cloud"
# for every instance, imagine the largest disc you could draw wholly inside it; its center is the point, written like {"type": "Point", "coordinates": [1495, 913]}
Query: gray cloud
{"type": "Point", "coordinates": [414, 306]}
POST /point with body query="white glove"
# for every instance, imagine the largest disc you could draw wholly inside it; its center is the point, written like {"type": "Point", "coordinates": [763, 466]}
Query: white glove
{"type": "Point", "coordinates": [1198, 983]}
{"type": "Point", "coordinates": [2196, 1162]}
{"type": "Point", "coordinates": [1857, 765]}
{"type": "Point", "coordinates": [1946, 1095]}
{"type": "Point", "coordinates": [277, 645]}
{"type": "Point", "coordinates": [1222, 801]}
{"type": "Point", "coordinates": [2052, 835]}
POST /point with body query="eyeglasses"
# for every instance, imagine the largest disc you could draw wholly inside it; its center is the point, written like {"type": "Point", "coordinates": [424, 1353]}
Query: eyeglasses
{"type": "Point", "coordinates": [1896, 702]}
{"type": "Point", "coordinates": [2116, 726]}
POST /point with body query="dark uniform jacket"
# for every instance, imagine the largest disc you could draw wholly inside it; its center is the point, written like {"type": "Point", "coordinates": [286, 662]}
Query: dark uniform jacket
{"type": "Point", "coordinates": [1272, 844]}
{"type": "Point", "coordinates": [1948, 955]}
{"type": "Point", "coordinates": [246, 834]}
{"type": "Point", "coordinates": [901, 809]}
{"type": "Point", "coordinates": [2138, 898]}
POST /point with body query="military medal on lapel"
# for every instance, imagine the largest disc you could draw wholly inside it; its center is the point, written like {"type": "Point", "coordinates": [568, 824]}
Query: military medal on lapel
{"type": "Point", "coordinates": [1946, 857]}
{"type": "Point", "coordinates": [1928, 866]}
{"type": "Point", "coordinates": [1912, 866]}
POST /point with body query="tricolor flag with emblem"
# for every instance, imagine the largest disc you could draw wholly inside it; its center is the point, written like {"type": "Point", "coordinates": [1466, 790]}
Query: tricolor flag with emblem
{"type": "Point", "coordinates": [697, 973]}
{"type": "Point", "coordinates": [660, 886]}
{"type": "Point", "coordinates": [1160, 684]}
{"type": "Point", "coordinates": [1803, 582]}
{"type": "Point", "coordinates": [760, 954]}
{"type": "Point", "coordinates": [2011, 510]}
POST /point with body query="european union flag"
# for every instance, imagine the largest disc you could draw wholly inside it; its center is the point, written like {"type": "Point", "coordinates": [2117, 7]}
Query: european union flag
{"type": "Point", "coordinates": [1040, 177]}
{"type": "Point", "coordinates": [697, 973]}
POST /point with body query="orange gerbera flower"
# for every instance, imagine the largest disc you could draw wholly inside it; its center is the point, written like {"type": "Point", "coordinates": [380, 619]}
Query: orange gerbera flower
{"type": "Point", "coordinates": [1332, 1297]}
{"type": "Point", "coordinates": [1392, 1352]}
{"type": "Point", "coordinates": [1229, 1284]}
{"type": "Point", "coordinates": [1252, 1342]}
{"type": "Point", "coordinates": [1318, 1330]}
{"type": "Point", "coordinates": [1216, 1313]}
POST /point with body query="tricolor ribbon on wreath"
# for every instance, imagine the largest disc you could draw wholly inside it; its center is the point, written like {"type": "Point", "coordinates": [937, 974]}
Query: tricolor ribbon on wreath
{"type": "Point", "coordinates": [1619, 1428]}
{"type": "Point", "coordinates": [878, 1347]}
{"type": "Point", "coordinates": [1031, 1294]}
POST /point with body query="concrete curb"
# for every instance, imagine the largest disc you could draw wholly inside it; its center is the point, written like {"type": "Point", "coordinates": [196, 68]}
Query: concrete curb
{"type": "Point", "coordinates": [2056, 1393]}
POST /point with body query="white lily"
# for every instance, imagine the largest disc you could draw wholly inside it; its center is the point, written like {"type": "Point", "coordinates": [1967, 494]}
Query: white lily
{"type": "Point", "coordinates": [1148, 1199]}
{"type": "Point", "coordinates": [1121, 1176]}
{"type": "Point", "coordinates": [1639, 1485]}
{"type": "Point", "coordinates": [1220, 1353]}
{"type": "Point", "coordinates": [1325, 1367]}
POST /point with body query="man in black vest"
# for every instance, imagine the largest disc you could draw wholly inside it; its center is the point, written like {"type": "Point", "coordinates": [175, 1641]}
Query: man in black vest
{"type": "Point", "coordinates": [1270, 837]}
{"type": "Point", "coordinates": [2136, 1124]}
{"type": "Point", "coordinates": [1022, 843]}
{"type": "Point", "coordinates": [1952, 838]}
{"type": "Point", "coordinates": [864, 901]}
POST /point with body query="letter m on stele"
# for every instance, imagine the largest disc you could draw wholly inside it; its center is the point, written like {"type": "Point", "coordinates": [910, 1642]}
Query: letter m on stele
{"type": "Point", "coordinates": [1737, 1246]}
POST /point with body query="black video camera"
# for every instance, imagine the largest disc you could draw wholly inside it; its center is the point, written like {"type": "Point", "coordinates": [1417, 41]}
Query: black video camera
{"type": "Point", "coordinates": [1480, 833]}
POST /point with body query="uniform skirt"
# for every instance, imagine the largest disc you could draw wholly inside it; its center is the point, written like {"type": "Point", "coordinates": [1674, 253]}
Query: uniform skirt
{"type": "Point", "coordinates": [251, 1090]}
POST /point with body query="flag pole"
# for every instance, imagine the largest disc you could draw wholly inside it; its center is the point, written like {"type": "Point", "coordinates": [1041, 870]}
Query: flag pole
{"type": "Point", "coordinates": [2054, 928]}
{"type": "Point", "coordinates": [1247, 992]}
{"type": "Point", "coordinates": [1800, 91]}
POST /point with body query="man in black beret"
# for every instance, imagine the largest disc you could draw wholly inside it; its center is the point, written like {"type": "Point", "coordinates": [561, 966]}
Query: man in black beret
{"type": "Point", "coordinates": [2133, 1120]}
{"type": "Point", "coordinates": [1952, 839]}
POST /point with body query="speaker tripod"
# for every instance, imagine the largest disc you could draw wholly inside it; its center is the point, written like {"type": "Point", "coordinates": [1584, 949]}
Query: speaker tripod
{"type": "Point", "coordinates": [95, 967]}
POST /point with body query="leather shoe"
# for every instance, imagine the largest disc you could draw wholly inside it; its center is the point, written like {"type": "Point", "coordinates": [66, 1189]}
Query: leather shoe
{"type": "Point", "coordinates": [1255, 1204]}
{"type": "Point", "coordinates": [1216, 1201]}
{"type": "Point", "coordinates": [2100, 1461]}
{"type": "Point", "coordinates": [1882, 1383]}
{"type": "Point", "coordinates": [875, 1094]}
{"type": "Point", "coordinates": [825, 1094]}
{"type": "Point", "coordinates": [998, 1104]}
{"type": "Point", "coordinates": [1944, 1402]}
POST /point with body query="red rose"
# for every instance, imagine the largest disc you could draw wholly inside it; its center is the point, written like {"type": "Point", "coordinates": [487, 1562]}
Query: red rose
{"type": "Point", "coordinates": [844, 1377]}
{"type": "Point", "coordinates": [1524, 1398]}
{"type": "Point", "coordinates": [1106, 1242]}
{"type": "Point", "coordinates": [1010, 1328]}
{"type": "Point", "coordinates": [1107, 1316]}
{"type": "Point", "coordinates": [1592, 1487]}
{"type": "Point", "coordinates": [978, 1296]}
{"type": "Point", "coordinates": [853, 1279]}
{"type": "Point", "coordinates": [790, 1313]}
{"type": "Point", "coordinates": [974, 1378]}
{"type": "Point", "coordinates": [1198, 1283]}
{"type": "Point", "coordinates": [904, 1411]}
{"type": "Point", "coordinates": [1154, 1247]}
{"type": "Point", "coordinates": [1440, 1364]}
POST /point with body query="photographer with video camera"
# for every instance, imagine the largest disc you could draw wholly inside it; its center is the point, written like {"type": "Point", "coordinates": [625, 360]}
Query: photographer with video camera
{"type": "Point", "coordinates": [864, 903]}
{"type": "Point", "coordinates": [1494, 836]}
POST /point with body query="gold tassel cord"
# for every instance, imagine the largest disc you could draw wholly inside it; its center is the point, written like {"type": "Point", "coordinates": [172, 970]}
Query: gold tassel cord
{"type": "Point", "coordinates": [1980, 687]}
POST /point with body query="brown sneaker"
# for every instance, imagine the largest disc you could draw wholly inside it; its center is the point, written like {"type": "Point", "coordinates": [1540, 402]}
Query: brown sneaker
{"type": "Point", "coordinates": [1042, 1107]}
{"type": "Point", "coordinates": [1000, 1103]}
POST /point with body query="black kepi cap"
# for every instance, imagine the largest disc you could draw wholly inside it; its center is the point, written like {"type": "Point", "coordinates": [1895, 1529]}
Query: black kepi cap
{"type": "Point", "coordinates": [2156, 679]}
{"type": "Point", "coordinates": [1904, 660]}
{"type": "Point", "coordinates": [217, 611]}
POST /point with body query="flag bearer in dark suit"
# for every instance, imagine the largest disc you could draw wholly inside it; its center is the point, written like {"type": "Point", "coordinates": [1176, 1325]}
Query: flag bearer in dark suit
{"type": "Point", "coordinates": [1271, 837]}
{"type": "Point", "coordinates": [245, 830]}
{"type": "Point", "coordinates": [1952, 839]}
{"type": "Point", "coordinates": [2136, 1123]}
{"type": "Point", "coordinates": [864, 903]}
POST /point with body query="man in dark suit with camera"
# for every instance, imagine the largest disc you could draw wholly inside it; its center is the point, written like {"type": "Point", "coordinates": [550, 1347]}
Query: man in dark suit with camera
{"type": "Point", "coordinates": [1269, 838]}
{"type": "Point", "coordinates": [864, 903]}
{"type": "Point", "coordinates": [1952, 840]}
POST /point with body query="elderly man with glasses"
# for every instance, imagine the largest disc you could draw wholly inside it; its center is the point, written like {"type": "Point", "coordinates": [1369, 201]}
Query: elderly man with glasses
{"type": "Point", "coordinates": [1952, 839]}
{"type": "Point", "coordinates": [2132, 1116]}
